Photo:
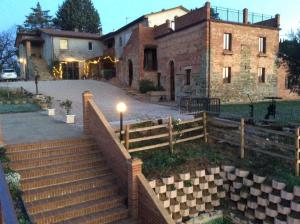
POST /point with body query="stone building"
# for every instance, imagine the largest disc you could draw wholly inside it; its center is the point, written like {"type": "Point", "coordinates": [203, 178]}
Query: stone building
{"type": "Point", "coordinates": [41, 50]}
{"type": "Point", "coordinates": [207, 52]}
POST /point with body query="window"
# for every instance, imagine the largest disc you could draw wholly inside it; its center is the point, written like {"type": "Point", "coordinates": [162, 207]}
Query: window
{"type": "Point", "coordinates": [158, 79]}
{"type": "Point", "coordinates": [120, 41]}
{"type": "Point", "coordinates": [227, 41]}
{"type": "Point", "coordinates": [63, 44]}
{"type": "Point", "coordinates": [262, 48]}
{"type": "Point", "coordinates": [90, 46]}
{"type": "Point", "coordinates": [227, 75]}
{"type": "Point", "coordinates": [261, 75]}
{"type": "Point", "coordinates": [188, 77]}
{"type": "Point", "coordinates": [150, 59]}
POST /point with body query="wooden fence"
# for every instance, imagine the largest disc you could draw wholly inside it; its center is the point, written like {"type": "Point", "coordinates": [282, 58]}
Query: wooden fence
{"type": "Point", "coordinates": [165, 134]}
{"type": "Point", "coordinates": [279, 144]}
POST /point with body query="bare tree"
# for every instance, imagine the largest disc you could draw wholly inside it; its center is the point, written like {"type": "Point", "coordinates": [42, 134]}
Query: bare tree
{"type": "Point", "coordinates": [7, 48]}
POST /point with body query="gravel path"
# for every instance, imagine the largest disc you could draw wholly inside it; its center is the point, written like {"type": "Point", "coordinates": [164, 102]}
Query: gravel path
{"type": "Point", "coordinates": [106, 97]}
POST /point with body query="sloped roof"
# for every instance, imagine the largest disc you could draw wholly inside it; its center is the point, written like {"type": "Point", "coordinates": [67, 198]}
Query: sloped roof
{"type": "Point", "coordinates": [74, 34]}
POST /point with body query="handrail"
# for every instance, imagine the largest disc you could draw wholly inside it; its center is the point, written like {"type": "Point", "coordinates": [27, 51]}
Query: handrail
{"type": "Point", "coordinates": [7, 207]}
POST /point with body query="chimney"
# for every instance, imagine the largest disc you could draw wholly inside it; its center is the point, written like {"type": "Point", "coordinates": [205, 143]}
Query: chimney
{"type": "Point", "coordinates": [207, 7]}
{"type": "Point", "coordinates": [277, 18]}
{"type": "Point", "coordinates": [245, 15]}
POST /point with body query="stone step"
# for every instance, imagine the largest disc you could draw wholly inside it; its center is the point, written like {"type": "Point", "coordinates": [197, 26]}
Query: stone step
{"type": "Point", "coordinates": [55, 151]}
{"type": "Point", "coordinates": [108, 216]}
{"type": "Point", "coordinates": [79, 210]}
{"type": "Point", "coordinates": [48, 144]}
{"type": "Point", "coordinates": [60, 168]}
{"type": "Point", "coordinates": [53, 160]}
{"type": "Point", "coordinates": [49, 204]}
{"type": "Point", "coordinates": [63, 178]}
{"type": "Point", "coordinates": [69, 188]}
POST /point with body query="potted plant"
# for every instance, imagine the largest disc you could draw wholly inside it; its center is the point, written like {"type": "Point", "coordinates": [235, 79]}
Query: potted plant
{"type": "Point", "coordinates": [171, 191]}
{"type": "Point", "coordinates": [50, 109]}
{"type": "Point", "coordinates": [188, 187]}
{"type": "Point", "coordinates": [67, 106]}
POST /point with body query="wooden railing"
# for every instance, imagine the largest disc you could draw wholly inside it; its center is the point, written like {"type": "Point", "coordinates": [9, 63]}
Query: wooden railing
{"type": "Point", "coordinates": [279, 144]}
{"type": "Point", "coordinates": [165, 134]}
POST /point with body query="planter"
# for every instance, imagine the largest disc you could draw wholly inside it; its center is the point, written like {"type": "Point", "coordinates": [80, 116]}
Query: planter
{"type": "Point", "coordinates": [222, 194]}
{"type": "Point", "coordinates": [175, 207]}
{"type": "Point", "coordinates": [231, 176]}
{"type": "Point", "coordinates": [228, 168]}
{"type": "Point", "coordinates": [295, 206]}
{"type": "Point", "coordinates": [254, 191]}
{"type": "Point", "coordinates": [234, 197]}
{"type": "Point", "coordinates": [216, 203]}
{"type": "Point", "coordinates": [161, 189]}
{"type": "Point", "coordinates": [188, 190]}
{"type": "Point", "coordinates": [292, 220]}
{"type": "Point", "coordinates": [247, 182]}
{"type": "Point", "coordinates": [203, 186]}
{"type": "Point", "coordinates": [51, 112]}
{"type": "Point", "coordinates": [197, 194]}
{"type": "Point", "coordinates": [177, 217]}
{"type": "Point", "coordinates": [156, 96]}
{"type": "Point", "coordinates": [287, 195]}
{"type": "Point", "coordinates": [297, 191]}
{"type": "Point", "coordinates": [223, 175]}
{"type": "Point", "coordinates": [179, 185]}
{"type": "Point", "coordinates": [258, 179]}
{"type": "Point", "coordinates": [244, 194]}
{"type": "Point", "coordinates": [259, 214]}
{"type": "Point", "coordinates": [172, 194]}
{"type": "Point", "coordinates": [210, 177]}
{"type": "Point", "coordinates": [195, 181]}
{"type": "Point", "coordinates": [200, 173]}
{"type": "Point", "coordinates": [237, 185]}
{"type": "Point", "coordinates": [252, 204]}
{"type": "Point", "coordinates": [185, 176]}
{"type": "Point", "coordinates": [191, 203]}
{"type": "Point", "coordinates": [168, 180]}
{"type": "Point", "coordinates": [193, 212]}
{"type": "Point", "coordinates": [214, 170]}
{"type": "Point", "coordinates": [181, 198]}
{"type": "Point", "coordinates": [266, 189]}
{"type": "Point", "coordinates": [262, 201]}
{"type": "Point", "coordinates": [241, 206]}
{"type": "Point", "coordinates": [184, 210]}
{"type": "Point", "coordinates": [206, 198]}
{"type": "Point", "coordinates": [241, 173]}
{"type": "Point", "coordinates": [226, 187]}
{"type": "Point", "coordinates": [283, 210]}
{"type": "Point", "coordinates": [213, 190]}
{"type": "Point", "coordinates": [274, 198]}
{"type": "Point", "coordinates": [70, 119]}
{"type": "Point", "coordinates": [218, 182]}
{"type": "Point", "coordinates": [278, 185]}
{"type": "Point", "coordinates": [278, 221]}
{"type": "Point", "coordinates": [200, 207]}
{"type": "Point", "coordinates": [270, 212]}
{"type": "Point", "coordinates": [152, 183]}
{"type": "Point", "coordinates": [43, 106]}
{"type": "Point", "coordinates": [166, 203]}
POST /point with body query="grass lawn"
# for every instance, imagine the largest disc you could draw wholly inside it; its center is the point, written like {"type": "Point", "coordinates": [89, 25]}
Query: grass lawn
{"type": "Point", "coordinates": [288, 111]}
{"type": "Point", "coordinates": [197, 154]}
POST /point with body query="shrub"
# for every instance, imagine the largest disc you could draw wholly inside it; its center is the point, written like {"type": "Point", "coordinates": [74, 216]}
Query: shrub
{"type": "Point", "coordinates": [67, 106]}
{"type": "Point", "coordinates": [49, 101]}
{"type": "Point", "coordinates": [146, 86]}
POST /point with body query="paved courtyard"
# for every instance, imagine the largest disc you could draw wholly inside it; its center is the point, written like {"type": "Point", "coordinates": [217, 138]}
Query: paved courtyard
{"type": "Point", "coordinates": [106, 96]}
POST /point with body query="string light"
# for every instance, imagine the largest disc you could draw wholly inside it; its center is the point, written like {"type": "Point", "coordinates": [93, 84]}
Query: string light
{"type": "Point", "coordinates": [58, 72]}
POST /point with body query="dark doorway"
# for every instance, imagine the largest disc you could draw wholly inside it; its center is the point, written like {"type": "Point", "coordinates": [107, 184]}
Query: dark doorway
{"type": "Point", "coordinates": [172, 81]}
{"type": "Point", "coordinates": [70, 70]}
{"type": "Point", "coordinates": [130, 72]}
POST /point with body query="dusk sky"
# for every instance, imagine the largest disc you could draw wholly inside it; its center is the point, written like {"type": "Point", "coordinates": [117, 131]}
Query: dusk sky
{"type": "Point", "coordinates": [113, 13]}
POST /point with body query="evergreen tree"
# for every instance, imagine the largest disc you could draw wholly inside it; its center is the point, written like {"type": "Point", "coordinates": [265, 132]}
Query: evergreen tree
{"type": "Point", "coordinates": [78, 14]}
{"type": "Point", "coordinates": [37, 19]}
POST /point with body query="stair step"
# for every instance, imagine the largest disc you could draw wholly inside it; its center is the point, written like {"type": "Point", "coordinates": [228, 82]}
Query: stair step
{"type": "Point", "coordinates": [71, 199]}
{"type": "Point", "coordinates": [63, 178]}
{"type": "Point", "coordinates": [54, 151]}
{"type": "Point", "coordinates": [60, 168]}
{"type": "Point", "coordinates": [78, 210]}
{"type": "Point", "coordinates": [48, 144]}
{"type": "Point", "coordinates": [68, 188]}
{"type": "Point", "coordinates": [53, 160]}
{"type": "Point", "coordinates": [108, 216]}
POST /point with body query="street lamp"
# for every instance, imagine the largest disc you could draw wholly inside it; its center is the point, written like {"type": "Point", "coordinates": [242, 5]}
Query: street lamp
{"type": "Point", "coordinates": [121, 108]}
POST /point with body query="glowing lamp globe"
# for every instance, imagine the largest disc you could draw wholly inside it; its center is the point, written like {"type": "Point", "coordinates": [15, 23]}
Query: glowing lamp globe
{"type": "Point", "coordinates": [121, 107]}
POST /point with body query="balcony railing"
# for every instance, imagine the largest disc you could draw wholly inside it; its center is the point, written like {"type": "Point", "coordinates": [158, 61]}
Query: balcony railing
{"type": "Point", "coordinates": [236, 16]}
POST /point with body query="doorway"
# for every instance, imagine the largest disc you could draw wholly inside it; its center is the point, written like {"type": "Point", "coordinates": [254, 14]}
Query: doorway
{"type": "Point", "coordinates": [70, 70]}
{"type": "Point", "coordinates": [130, 72]}
{"type": "Point", "coordinates": [172, 80]}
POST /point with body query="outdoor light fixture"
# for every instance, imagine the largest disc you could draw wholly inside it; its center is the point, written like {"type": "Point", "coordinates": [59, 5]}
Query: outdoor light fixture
{"type": "Point", "coordinates": [121, 108]}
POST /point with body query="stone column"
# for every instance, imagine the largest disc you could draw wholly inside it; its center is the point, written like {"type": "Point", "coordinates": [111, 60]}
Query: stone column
{"type": "Point", "coordinates": [134, 169]}
{"type": "Point", "coordinates": [245, 16]}
{"type": "Point", "coordinates": [86, 96]}
{"type": "Point", "coordinates": [28, 49]}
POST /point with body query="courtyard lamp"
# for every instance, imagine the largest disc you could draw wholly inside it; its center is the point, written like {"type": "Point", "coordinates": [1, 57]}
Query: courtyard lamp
{"type": "Point", "coordinates": [121, 108]}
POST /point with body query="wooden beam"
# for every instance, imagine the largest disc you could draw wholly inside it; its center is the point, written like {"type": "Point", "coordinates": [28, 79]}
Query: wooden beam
{"type": "Point", "coordinates": [148, 128]}
{"type": "Point", "coordinates": [148, 138]}
{"type": "Point", "coordinates": [149, 147]}
{"type": "Point", "coordinates": [170, 126]}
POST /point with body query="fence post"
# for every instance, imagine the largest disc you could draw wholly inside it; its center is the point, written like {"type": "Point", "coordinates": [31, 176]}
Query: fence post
{"type": "Point", "coordinates": [127, 136]}
{"type": "Point", "coordinates": [242, 135]}
{"type": "Point", "coordinates": [170, 126]}
{"type": "Point", "coordinates": [297, 152]}
{"type": "Point", "coordinates": [205, 126]}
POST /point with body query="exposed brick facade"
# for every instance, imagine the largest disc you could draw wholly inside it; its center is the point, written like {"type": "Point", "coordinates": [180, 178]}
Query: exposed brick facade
{"type": "Point", "coordinates": [196, 44]}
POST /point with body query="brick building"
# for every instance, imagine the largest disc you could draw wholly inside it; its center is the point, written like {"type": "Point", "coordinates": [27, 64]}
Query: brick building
{"type": "Point", "coordinates": [209, 51]}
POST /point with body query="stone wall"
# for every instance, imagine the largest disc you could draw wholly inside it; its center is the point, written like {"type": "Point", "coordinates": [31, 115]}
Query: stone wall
{"type": "Point", "coordinates": [244, 60]}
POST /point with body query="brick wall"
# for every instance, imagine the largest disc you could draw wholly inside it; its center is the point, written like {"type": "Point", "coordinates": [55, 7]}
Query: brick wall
{"type": "Point", "coordinates": [244, 62]}
{"type": "Point", "coordinates": [187, 49]}
{"type": "Point", "coordinates": [163, 29]}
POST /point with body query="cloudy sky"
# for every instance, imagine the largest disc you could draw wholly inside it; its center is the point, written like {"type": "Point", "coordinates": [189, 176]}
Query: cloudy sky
{"type": "Point", "coordinates": [115, 13]}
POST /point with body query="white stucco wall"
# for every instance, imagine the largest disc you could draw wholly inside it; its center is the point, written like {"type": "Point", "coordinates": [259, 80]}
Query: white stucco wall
{"type": "Point", "coordinates": [78, 49]}
{"type": "Point", "coordinates": [159, 18]}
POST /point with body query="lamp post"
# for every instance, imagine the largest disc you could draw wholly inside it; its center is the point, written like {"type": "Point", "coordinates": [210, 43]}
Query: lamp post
{"type": "Point", "coordinates": [121, 108]}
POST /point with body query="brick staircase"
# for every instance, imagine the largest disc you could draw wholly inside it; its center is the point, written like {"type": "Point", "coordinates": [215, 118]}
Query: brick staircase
{"type": "Point", "coordinates": [68, 181]}
{"type": "Point", "coordinates": [41, 66]}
